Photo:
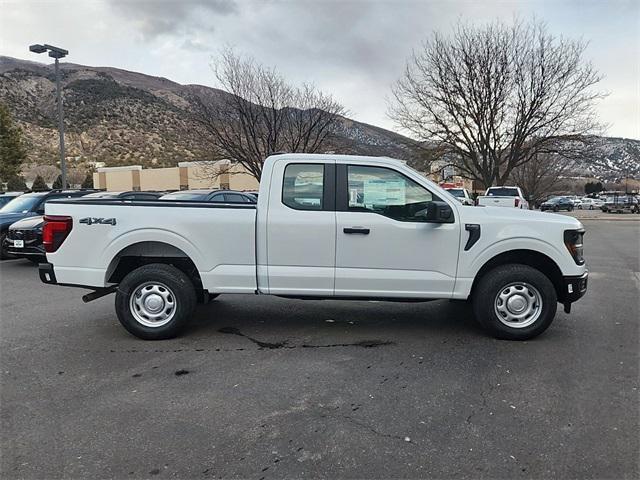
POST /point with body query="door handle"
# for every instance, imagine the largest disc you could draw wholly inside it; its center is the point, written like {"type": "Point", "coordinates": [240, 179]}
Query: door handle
{"type": "Point", "coordinates": [360, 230]}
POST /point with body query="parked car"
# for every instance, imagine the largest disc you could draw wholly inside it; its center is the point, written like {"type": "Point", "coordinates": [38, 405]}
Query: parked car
{"type": "Point", "coordinates": [556, 204]}
{"type": "Point", "coordinates": [577, 202]}
{"type": "Point", "coordinates": [6, 197]}
{"type": "Point", "coordinates": [215, 196]}
{"type": "Point", "coordinates": [325, 227]}
{"type": "Point", "coordinates": [503, 197]}
{"type": "Point", "coordinates": [589, 203]}
{"type": "Point", "coordinates": [24, 239]}
{"type": "Point", "coordinates": [127, 195]}
{"type": "Point", "coordinates": [29, 205]}
{"type": "Point", "coordinates": [621, 204]}
{"type": "Point", "coordinates": [461, 194]}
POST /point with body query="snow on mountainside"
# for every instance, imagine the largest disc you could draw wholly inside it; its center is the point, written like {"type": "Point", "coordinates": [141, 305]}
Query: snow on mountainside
{"type": "Point", "coordinates": [615, 159]}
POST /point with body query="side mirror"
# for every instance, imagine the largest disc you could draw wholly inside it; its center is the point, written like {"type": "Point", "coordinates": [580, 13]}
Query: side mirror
{"type": "Point", "coordinates": [437, 212]}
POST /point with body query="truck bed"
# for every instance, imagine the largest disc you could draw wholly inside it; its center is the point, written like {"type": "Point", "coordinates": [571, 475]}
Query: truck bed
{"type": "Point", "coordinates": [218, 238]}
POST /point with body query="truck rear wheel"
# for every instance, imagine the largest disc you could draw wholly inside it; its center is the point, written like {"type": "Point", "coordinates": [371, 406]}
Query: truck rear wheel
{"type": "Point", "coordinates": [155, 302]}
{"type": "Point", "coordinates": [515, 302]}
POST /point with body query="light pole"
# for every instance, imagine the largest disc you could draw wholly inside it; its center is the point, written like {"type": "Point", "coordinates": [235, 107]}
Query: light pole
{"type": "Point", "coordinates": [57, 53]}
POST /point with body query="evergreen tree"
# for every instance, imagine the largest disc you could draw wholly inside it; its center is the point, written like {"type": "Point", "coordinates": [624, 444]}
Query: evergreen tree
{"type": "Point", "coordinates": [57, 183]}
{"type": "Point", "coordinates": [12, 150]}
{"type": "Point", "coordinates": [16, 184]}
{"type": "Point", "coordinates": [39, 185]}
{"type": "Point", "coordinates": [88, 181]}
{"type": "Point", "coordinates": [588, 187]}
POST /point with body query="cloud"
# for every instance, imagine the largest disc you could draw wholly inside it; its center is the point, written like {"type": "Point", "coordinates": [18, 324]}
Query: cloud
{"type": "Point", "coordinates": [154, 18]}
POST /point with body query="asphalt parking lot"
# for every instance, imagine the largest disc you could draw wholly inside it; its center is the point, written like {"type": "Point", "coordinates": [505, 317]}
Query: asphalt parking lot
{"type": "Point", "coordinates": [269, 388]}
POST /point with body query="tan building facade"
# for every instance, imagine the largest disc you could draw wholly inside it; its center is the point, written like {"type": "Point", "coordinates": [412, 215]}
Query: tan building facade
{"type": "Point", "coordinates": [186, 176]}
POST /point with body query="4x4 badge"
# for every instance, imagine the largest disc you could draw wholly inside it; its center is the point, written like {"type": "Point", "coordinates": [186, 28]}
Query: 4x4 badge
{"type": "Point", "coordinates": [99, 221]}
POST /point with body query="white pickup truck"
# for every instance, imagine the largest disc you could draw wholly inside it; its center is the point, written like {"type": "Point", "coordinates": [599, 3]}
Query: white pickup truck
{"type": "Point", "coordinates": [504, 197]}
{"type": "Point", "coordinates": [325, 226]}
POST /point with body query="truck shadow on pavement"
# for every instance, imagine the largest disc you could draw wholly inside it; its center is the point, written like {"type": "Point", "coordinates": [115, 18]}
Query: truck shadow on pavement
{"type": "Point", "coordinates": [273, 323]}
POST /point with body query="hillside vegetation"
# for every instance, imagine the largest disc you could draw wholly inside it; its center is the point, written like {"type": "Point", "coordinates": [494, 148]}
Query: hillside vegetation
{"type": "Point", "coordinates": [121, 118]}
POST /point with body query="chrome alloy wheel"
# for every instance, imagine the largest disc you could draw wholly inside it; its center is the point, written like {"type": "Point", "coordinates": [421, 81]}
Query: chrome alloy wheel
{"type": "Point", "coordinates": [153, 304]}
{"type": "Point", "coordinates": [518, 305]}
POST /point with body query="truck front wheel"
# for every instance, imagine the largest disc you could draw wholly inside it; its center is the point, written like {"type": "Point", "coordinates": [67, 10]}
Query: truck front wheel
{"type": "Point", "coordinates": [155, 301]}
{"type": "Point", "coordinates": [515, 302]}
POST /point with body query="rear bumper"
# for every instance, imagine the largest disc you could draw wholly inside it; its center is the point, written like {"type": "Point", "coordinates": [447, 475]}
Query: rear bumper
{"type": "Point", "coordinates": [47, 275]}
{"type": "Point", "coordinates": [575, 287]}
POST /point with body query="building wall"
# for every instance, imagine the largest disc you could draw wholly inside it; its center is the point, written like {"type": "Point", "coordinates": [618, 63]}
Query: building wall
{"type": "Point", "coordinates": [160, 179]}
{"type": "Point", "coordinates": [240, 179]}
{"type": "Point", "coordinates": [118, 181]}
{"type": "Point", "coordinates": [187, 175]}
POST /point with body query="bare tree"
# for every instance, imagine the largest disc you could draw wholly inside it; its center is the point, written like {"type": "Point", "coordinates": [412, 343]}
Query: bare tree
{"type": "Point", "coordinates": [47, 172]}
{"type": "Point", "coordinates": [497, 95]}
{"type": "Point", "coordinates": [259, 114]}
{"type": "Point", "coordinates": [542, 175]}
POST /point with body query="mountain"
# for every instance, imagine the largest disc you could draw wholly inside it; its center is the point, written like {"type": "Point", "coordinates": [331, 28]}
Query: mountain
{"type": "Point", "coordinates": [121, 118]}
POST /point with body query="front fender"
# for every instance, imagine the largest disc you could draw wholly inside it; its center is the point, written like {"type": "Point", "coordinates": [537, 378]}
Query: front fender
{"type": "Point", "coordinates": [561, 258]}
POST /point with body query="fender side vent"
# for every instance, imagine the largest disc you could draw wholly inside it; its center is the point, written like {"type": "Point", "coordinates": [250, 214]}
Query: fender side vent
{"type": "Point", "coordinates": [474, 235]}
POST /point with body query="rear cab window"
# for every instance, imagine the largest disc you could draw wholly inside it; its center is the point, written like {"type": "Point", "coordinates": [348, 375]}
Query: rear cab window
{"type": "Point", "coordinates": [303, 186]}
{"type": "Point", "coordinates": [502, 192]}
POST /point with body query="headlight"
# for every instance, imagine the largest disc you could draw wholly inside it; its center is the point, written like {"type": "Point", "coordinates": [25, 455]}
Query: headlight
{"type": "Point", "coordinates": [573, 239]}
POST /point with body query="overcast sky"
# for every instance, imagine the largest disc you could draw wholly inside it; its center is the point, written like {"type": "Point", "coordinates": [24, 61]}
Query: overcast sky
{"type": "Point", "coordinates": [353, 49]}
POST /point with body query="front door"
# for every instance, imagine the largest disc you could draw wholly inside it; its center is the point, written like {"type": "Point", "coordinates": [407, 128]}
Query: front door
{"type": "Point", "coordinates": [383, 249]}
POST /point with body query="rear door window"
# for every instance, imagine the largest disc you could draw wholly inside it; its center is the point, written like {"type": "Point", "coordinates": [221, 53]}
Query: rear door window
{"type": "Point", "coordinates": [303, 186]}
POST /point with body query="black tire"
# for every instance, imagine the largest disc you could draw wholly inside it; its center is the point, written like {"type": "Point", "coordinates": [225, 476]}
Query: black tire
{"type": "Point", "coordinates": [555, 208]}
{"type": "Point", "coordinates": [500, 280]}
{"type": "Point", "coordinates": [569, 209]}
{"type": "Point", "coordinates": [178, 300]}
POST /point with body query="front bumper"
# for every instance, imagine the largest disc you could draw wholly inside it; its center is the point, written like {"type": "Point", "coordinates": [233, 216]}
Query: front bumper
{"type": "Point", "coordinates": [31, 248]}
{"type": "Point", "coordinates": [574, 288]}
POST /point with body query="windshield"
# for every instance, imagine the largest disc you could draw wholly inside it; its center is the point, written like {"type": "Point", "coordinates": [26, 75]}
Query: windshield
{"type": "Point", "coordinates": [184, 196]}
{"type": "Point", "coordinates": [4, 199]}
{"type": "Point", "coordinates": [456, 192]}
{"type": "Point", "coordinates": [502, 192]}
{"type": "Point", "coordinates": [102, 195]}
{"type": "Point", "coordinates": [21, 204]}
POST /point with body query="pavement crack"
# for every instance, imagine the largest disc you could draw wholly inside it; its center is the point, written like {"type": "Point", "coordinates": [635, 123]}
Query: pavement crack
{"type": "Point", "coordinates": [261, 344]}
{"type": "Point", "coordinates": [378, 433]}
{"type": "Point", "coordinates": [284, 344]}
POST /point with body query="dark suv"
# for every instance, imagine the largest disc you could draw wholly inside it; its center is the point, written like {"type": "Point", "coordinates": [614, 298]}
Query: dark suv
{"type": "Point", "coordinates": [29, 205]}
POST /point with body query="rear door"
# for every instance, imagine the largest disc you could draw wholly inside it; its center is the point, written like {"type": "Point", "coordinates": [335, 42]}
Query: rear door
{"type": "Point", "coordinates": [301, 228]}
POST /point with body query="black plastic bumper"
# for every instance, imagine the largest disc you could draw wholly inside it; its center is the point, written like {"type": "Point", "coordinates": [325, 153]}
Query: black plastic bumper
{"type": "Point", "coordinates": [47, 275]}
{"type": "Point", "coordinates": [575, 288]}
